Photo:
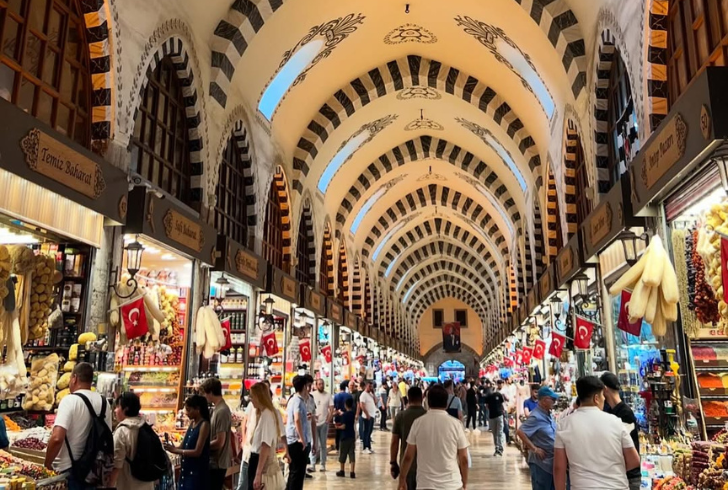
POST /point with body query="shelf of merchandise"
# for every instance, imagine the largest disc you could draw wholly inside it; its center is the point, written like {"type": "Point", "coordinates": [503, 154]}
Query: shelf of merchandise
{"type": "Point", "coordinates": [717, 366]}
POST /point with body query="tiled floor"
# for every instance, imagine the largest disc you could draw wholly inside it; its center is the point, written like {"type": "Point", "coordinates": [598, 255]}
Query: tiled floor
{"type": "Point", "coordinates": [486, 473]}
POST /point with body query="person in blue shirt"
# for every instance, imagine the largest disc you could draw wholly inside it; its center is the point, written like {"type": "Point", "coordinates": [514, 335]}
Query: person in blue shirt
{"type": "Point", "coordinates": [347, 444]}
{"type": "Point", "coordinates": [531, 403]}
{"type": "Point", "coordinates": [538, 433]}
{"type": "Point", "coordinates": [340, 407]}
{"type": "Point", "coordinates": [299, 436]}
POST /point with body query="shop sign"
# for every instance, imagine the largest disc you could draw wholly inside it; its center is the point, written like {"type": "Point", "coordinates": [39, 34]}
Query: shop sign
{"type": "Point", "coordinates": [664, 150]}
{"type": "Point", "coordinates": [240, 262]}
{"type": "Point", "coordinates": [42, 155]}
{"type": "Point", "coordinates": [167, 222]}
{"type": "Point", "coordinates": [600, 223]}
{"type": "Point", "coordinates": [522, 315]}
{"type": "Point", "coordinates": [48, 156]}
{"type": "Point", "coordinates": [313, 301]}
{"type": "Point", "coordinates": [336, 312]}
{"type": "Point", "coordinates": [565, 261]}
{"type": "Point", "coordinates": [531, 300]}
{"type": "Point", "coordinates": [246, 264]}
{"type": "Point", "coordinates": [288, 287]}
{"type": "Point", "coordinates": [545, 285]}
{"type": "Point", "coordinates": [569, 260]}
{"type": "Point", "coordinates": [282, 285]}
{"type": "Point", "coordinates": [183, 230]}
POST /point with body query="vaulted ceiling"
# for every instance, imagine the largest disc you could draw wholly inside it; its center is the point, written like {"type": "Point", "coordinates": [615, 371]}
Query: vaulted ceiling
{"type": "Point", "coordinates": [423, 135]}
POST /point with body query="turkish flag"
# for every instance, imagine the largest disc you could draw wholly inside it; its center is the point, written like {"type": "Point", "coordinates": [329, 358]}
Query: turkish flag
{"type": "Point", "coordinates": [508, 362]}
{"type": "Point", "coordinates": [557, 344]}
{"type": "Point", "coordinates": [539, 347]}
{"type": "Point", "coordinates": [304, 347]}
{"type": "Point", "coordinates": [345, 357]}
{"type": "Point", "coordinates": [583, 333]}
{"type": "Point", "coordinates": [527, 355]}
{"type": "Point", "coordinates": [135, 318]}
{"type": "Point", "coordinates": [225, 324]}
{"type": "Point", "coordinates": [623, 319]}
{"type": "Point", "coordinates": [326, 351]}
{"type": "Point", "coordinates": [270, 343]}
{"type": "Point", "coordinates": [519, 356]}
{"type": "Point", "coordinates": [724, 266]}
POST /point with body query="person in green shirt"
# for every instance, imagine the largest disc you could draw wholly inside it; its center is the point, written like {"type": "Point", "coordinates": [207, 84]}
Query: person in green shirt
{"type": "Point", "coordinates": [401, 429]}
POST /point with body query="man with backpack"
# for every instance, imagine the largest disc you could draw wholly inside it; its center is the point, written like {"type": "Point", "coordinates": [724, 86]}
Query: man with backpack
{"type": "Point", "coordinates": [81, 443]}
{"type": "Point", "coordinates": [220, 427]}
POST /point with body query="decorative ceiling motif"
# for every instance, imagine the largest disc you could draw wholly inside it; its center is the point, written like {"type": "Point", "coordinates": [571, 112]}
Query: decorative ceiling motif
{"type": "Point", "coordinates": [488, 36]}
{"type": "Point", "coordinates": [427, 93]}
{"type": "Point", "coordinates": [333, 32]}
{"type": "Point", "coordinates": [431, 176]}
{"type": "Point", "coordinates": [425, 123]}
{"type": "Point", "coordinates": [410, 33]}
{"type": "Point", "coordinates": [374, 128]}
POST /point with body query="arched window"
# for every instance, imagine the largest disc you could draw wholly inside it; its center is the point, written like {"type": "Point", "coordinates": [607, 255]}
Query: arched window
{"type": "Point", "coordinates": [231, 208]}
{"type": "Point", "coordinates": [44, 63]}
{"type": "Point", "coordinates": [326, 267]}
{"type": "Point", "coordinates": [305, 250]}
{"type": "Point", "coordinates": [160, 149]}
{"type": "Point", "coordinates": [273, 231]}
{"type": "Point", "coordinates": [620, 115]}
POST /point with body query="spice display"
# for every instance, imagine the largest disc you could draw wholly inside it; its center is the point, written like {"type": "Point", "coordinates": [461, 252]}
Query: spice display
{"type": "Point", "coordinates": [706, 305]}
{"type": "Point", "coordinates": [687, 314]}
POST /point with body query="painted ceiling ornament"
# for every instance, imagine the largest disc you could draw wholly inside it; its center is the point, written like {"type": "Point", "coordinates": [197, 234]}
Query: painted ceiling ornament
{"type": "Point", "coordinates": [373, 127]}
{"type": "Point", "coordinates": [333, 32]}
{"type": "Point", "coordinates": [431, 176]}
{"type": "Point", "coordinates": [419, 92]}
{"type": "Point", "coordinates": [425, 123]}
{"type": "Point", "coordinates": [410, 33]}
{"type": "Point", "coordinates": [488, 36]}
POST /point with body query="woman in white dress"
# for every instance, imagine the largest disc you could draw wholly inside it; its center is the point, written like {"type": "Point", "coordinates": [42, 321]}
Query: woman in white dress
{"type": "Point", "coordinates": [263, 468]}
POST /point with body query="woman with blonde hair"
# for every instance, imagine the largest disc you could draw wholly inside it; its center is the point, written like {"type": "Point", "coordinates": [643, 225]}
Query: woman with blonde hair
{"type": "Point", "coordinates": [263, 469]}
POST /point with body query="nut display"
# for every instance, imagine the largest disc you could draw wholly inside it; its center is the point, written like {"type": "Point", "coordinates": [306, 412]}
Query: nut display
{"type": "Point", "coordinates": [42, 297]}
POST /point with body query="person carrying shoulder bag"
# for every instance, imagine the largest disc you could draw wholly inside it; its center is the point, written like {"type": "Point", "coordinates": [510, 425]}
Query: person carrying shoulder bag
{"type": "Point", "coordinates": [263, 469]}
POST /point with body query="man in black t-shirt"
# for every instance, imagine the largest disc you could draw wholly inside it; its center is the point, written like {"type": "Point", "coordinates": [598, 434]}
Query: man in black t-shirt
{"type": "Point", "coordinates": [620, 409]}
{"type": "Point", "coordinates": [496, 411]}
{"type": "Point", "coordinates": [483, 390]}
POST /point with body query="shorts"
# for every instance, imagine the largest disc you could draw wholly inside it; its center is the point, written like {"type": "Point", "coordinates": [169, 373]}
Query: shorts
{"type": "Point", "coordinates": [347, 448]}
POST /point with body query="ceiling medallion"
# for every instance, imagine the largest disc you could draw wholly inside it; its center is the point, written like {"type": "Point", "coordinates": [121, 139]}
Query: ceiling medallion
{"type": "Point", "coordinates": [419, 92]}
{"type": "Point", "coordinates": [419, 124]}
{"type": "Point", "coordinates": [410, 33]}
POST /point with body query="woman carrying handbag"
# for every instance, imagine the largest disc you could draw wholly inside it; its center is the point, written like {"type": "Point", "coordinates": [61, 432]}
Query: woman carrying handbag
{"type": "Point", "coordinates": [264, 473]}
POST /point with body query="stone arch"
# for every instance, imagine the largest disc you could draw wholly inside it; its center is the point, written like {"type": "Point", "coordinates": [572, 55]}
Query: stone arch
{"type": "Point", "coordinates": [308, 247]}
{"type": "Point", "coordinates": [327, 278]}
{"type": "Point", "coordinates": [279, 184]}
{"type": "Point", "coordinates": [468, 356]}
{"type": "Point", "coordinates": [441, 292]}
{"type": "Point", "coordinates": [656, 62]}
{"type": "Point", "coordinates": [356, 289]}
{"type": "Point", "coordinates": [342, 276]}
{"type": "Point", "coordinates": [553, 220]}
{"type": "Point", "coordinates": [451, 283]}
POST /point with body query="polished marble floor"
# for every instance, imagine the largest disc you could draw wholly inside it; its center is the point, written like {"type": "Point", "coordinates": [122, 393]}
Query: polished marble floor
{"type": "Point", "coordinates": [486, 473]}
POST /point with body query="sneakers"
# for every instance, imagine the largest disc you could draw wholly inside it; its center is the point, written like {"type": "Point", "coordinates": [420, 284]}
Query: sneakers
{"type": "Point", "coordinates": [311, 469]}
{"type": "Point", "coordinates": [369, 451]}
{"type": "Point", "coordinates": [323, 469]}
{"type": "Point", "coordinates": [341, 474]}
{"type": "Point", "coordinates": [352, 474]}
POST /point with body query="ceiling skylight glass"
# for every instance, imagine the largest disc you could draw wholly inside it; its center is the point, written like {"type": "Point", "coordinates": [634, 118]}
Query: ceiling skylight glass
{"type": "Point", "coordinates": [493, 202]}
{"type": "Point", "coordinates": [386, 238]}
{"type": "Point", "coordinates": [283, 80]}
{"type": "Point", "coordinates": [411, 290]}
{"type": "Point", "coordinates": [341, 156]}
{"type": "Point", "coordinates": [503, 153]}
{"type": "Point", "coordinates": [524, 68]}
{"type": "Point", "coordinates": [366, 207]}
{"type": "Point", "coordinates": [391, 266]}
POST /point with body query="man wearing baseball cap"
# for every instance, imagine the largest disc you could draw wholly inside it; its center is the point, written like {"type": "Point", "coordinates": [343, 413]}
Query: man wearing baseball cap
{"type": "Point", "coordinates": [620, 409]}
{"type": "Point", "coordinates": [538, 433]}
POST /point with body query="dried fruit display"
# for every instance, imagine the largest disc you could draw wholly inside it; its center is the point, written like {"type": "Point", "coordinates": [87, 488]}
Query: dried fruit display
{"type": "Point", "coordinates": [706, 305]}
{"type": "Point", "coordinates": [690, 325]}
{"type": "Point", "coordinates": [30, 443]}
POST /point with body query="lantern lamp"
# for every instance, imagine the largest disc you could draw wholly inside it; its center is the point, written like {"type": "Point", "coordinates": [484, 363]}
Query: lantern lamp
{"type": "Point", "coordinates": [268, 305]}
{"type": "Point", "coordinates": [629, 245]}
{"type": "Point", "coordinates": [221, 287]}
{"type": "Point", "coordinates": [134, 251]}
{"type": "Point", "coordinates": [582, 283]}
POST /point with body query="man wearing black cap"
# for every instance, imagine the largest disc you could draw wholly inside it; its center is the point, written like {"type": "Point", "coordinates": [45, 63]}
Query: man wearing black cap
{"type": "Point", "coordinates": [620, 409]}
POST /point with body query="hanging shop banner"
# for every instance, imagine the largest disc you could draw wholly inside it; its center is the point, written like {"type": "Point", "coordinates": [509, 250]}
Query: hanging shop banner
{"type": "Point", "coordinates": [611, 216]}
{"type": "Point", "coordinates": [569, 261]}
{"type": "Point", "coordinates": [42, 155]}
{"type": "Point", "coordinates": [697, 121]}
{"type": "Point", "coordinates": [335, 311]}
{"type": "Point", "coordinates": [312, 301]}
{"type": "Point", "coordinates": [169, 223]}
{"type": "Point", "coordinates": [546, 284]}
{"type": "Point", "coordinates": [282, 285]}
{"type": "Point", "coordinates": [240, 262]}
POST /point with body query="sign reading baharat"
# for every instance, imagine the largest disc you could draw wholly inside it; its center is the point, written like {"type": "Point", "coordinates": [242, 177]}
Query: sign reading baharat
{"type": "Point", "coordinates": [183, 230]}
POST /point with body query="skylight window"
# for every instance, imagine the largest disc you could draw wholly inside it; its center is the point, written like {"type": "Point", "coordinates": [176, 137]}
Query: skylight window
{"type": "Point", "coordinates": [495, 204]}
{"type": "Point", "coordinates": [522, 66]}
{"type": "Point", "coordinates": [285, 77]}
{"type": "Point", "coordinates": [365, 208]}
{"type": "Point", "coordinates": [411, 290]}
{"type": "Point", "coordinates": [386, 238]}
{"type": "Point", "coordinates": [341, 156]}
{"type": "Point", "coordinates": [391, 266]}
{"type": "Point", "coordinates": [506, 157]}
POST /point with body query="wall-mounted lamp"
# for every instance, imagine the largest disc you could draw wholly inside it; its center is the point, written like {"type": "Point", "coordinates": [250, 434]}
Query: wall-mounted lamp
{"type": "Point", "coordinates": [582, 284]}
{"type": "Point", "coordinates": [221, 288]}
{"type": "Point", "coordinates": [629, 245]}
{"type": "Point", "coordinates": [134, 251]}
{"type": "Point", "coordinates": [268, 305]}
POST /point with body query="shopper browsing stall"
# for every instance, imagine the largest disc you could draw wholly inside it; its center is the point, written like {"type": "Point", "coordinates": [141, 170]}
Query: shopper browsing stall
{"type": "Point", "coordinates": [220, 425]}
{"type": "Point", "coordinates": [621, 410]}
{"type": "Point", "coordinates": [495, 402]}
{"type": "Point", "coordinates": [195, 448]}
{"type": "Point", "coordinates": [263, 471]}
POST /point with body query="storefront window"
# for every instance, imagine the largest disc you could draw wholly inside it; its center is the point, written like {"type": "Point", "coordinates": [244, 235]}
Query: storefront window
{"type": "Point", "coordinates": [305, 268]}
{"type": "Point", "coordinates": [231, 209]}
{"type": "Point", "coordinates": [697, 32]}
{"type": "Point", "coordinates": [273, 231]}
{"type": "Point", "coordinates": [44, 64]}
{"type": "Point", "coordinates": [159, 145]}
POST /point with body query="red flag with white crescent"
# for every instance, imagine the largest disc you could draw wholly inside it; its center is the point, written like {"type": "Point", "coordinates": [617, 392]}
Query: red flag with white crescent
{"type": "Point", "coordinates": [623, 319]}
{"type": "Point", "coordinates": [345, 357]}
{"type": "Point", "coordinates": [326, 351]}
{"type": "Point", "coordinates": [270, 343]}
{"type": "Point", "coordinates": [539, 348]}
{"type": "Point", "coordinates": [583, 333]}
{"type": "Point", "coordinates": [135, 318]}
{"type": "Point", "coordinates": [557, 344]}
{"type": "Point", "coordinates": [519, 356]}
{"type": "Point", "coordinates": [527, 355]}
{"type": "Point", "coordinates": [304, 347]}
{"type": "Point", "coordinates": [225, 324]}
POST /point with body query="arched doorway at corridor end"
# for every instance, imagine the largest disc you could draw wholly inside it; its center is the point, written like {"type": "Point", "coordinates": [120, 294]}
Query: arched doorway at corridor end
{"type": "Point", "coordinates": [451, 369]}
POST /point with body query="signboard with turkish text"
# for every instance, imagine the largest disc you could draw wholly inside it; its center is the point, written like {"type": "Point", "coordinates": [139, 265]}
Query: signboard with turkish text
{"type": "Point", "coordinates": [335, 311]}
{"type": "Point", "coordinates": [282, 285]}
{"type": "Point", "coordinates": [569, 261]}
{"type": "Point", "coordinates": [240, 262]}
{"type": "Point", "coordinates": [312, 300]}
{"type": "Point", "coordinates": [546, 283]}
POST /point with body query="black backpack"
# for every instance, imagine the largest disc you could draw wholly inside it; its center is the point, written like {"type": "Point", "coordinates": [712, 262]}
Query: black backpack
{"type": "Point", "coordinates": [150, 461]}
{"type": "Point", "coordinates": [97, 460]}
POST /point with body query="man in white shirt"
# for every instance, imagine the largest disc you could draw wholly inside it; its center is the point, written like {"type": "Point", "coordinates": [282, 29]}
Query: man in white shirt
{"type": "Point", "coordinates": [439, 443]}
{"type": "Point", "coordinates": [368, 405]}
{"type": "Point", "coordinates": [594, 445]}
{"type": "Point", "coordinates": [324, 413]}
{"type": "Point", "coordinates": [73, 423]}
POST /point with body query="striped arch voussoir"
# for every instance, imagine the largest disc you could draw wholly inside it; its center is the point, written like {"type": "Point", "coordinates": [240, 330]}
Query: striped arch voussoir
{"type": "Point", "coordinates": [570, 152]}
{"type": "Point", "coordinates": [279, 181]}
{"type": "Point", "coordinates": [397, 75]}
{"type": "Point", "coordinates": [307, 223]}
{"type": "Point", "coordinates": [242, 144]}
{"type": "Point", "coordinates": [656, 65]}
